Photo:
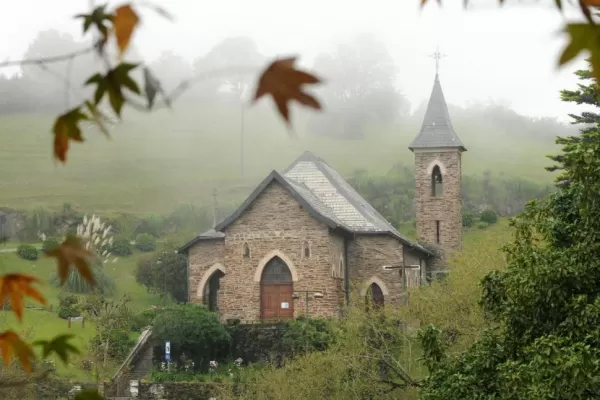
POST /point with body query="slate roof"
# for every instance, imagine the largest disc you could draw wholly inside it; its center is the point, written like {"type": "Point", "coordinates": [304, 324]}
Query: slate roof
{"type": "Point", "coordinates": [326, 196]}
{"type": "Point", "coordinates": [437, 130]}
{"type": "Point", "coordinates": [210, 234]}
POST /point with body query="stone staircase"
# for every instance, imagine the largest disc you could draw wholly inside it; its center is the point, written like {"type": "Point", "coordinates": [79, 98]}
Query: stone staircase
{"type": "Point", "coordinates": [136, 366]}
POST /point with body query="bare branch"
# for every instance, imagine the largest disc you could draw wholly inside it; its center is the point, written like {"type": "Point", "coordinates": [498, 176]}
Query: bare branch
{"type": "Point", "coordinates": [49, 60]}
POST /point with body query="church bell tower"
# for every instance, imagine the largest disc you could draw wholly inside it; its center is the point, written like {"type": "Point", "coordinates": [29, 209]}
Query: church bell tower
{"type": "Point", "coordinates": [438, 169]}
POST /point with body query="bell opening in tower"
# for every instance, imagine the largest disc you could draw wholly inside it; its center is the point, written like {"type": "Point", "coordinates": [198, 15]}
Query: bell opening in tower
{"type": "Point", "coordinates": [437, 184]}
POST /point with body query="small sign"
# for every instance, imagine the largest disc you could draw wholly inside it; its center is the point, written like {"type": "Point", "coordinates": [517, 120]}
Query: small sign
{"type": "Point", "coordinates": [76, 319]}
{"type": "Point", "coordinates": [167, 357]}
{"type": "Point", "coordinates": [285, 304]}
{"type": "Point", "coordinates": [168, 348]}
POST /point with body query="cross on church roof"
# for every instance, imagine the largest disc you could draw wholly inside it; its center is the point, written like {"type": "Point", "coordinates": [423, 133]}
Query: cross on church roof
{"type": "Point", "coordinates": [437, 56]}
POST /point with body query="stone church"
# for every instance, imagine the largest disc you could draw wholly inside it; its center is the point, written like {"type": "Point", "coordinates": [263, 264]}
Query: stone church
{"type": "Point", "coordinates": [305, 239]}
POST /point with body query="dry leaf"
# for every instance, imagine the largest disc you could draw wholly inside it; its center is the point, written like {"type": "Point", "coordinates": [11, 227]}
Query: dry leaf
{"type": "Point", "coordinates": [284, 83]}
{"type": "Point", "coordinates": [125, 22]}
{"type": "Point", "coordinates": [71, 252]}
{"type": "Point", "coordinates": [66, 128]}
{"type": "Point", "coordinates": [16, 287]}
{"type": "Point", "coordinates": [11, 345]}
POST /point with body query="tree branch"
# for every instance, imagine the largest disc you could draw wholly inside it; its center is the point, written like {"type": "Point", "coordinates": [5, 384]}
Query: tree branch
{"type": "Point", "coordinates": [49, 60]}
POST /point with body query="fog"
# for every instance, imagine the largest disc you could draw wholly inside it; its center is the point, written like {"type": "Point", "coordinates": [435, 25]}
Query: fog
{"type": "Point", "coordinates": [506, 54]}
{"type": "Point", "coordinates": [499, 76]}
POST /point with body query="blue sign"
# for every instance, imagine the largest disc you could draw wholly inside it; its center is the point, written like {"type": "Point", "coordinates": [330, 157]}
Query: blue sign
{"type": "Point", "coordinates": [167, 351]}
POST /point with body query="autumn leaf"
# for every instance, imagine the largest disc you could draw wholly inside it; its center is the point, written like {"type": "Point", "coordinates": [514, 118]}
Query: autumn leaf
{"type": "Point", "coordinates": [124, 23]}
{"type": "Point", "coordinates": [112, 84]}
{"type": "Point", "coordinates": [16, 287]}
{"type": "Point", "coordinates": [582, 37]}
{"type": "Point", "coordinates": [11, 345]}
{"type": "Point", "coordinates": [66, 128]}
{"type": "Point", "coordinates": [89, 394]}
{"type": "Point", "coordinates": [284, 83]}
{"type": "Point", "coordinates": [71, 252]}
{"type": "Point", "coordinates": [59, 345]}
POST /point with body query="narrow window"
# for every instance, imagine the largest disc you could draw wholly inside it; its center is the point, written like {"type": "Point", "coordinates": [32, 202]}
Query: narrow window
{"type": "Point", "coordinates": [306, 250]}
{"type": "Point", "coordinates": [246, 250]}
{"type": "Point", "coordinates": [437, 232]}
{"type": "Point", "coordinates": [437, 186]}
{"type": "Point", "coordinates": [342, 268]}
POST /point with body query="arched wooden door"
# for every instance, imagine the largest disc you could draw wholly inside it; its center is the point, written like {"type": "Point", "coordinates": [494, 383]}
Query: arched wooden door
{"type": "Point", "coordinates": [276, 291]}
{"type": "Point", "coordinates": [374, 296]}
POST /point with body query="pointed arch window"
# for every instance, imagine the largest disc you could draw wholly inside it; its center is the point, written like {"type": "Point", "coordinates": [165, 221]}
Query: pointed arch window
{"type": "Point", "coordinates": [306, 250]}
{"type": "Point", "coordinates": [341, 271]}
{"type": "Point", "coordinates": [246, 251]}
{"type": "Point", "coordinates": [437, 184]}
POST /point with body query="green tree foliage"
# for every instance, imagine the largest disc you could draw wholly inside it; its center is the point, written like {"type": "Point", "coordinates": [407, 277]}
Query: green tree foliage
{"type": "Point", "coordinates": [145, 242]}
{"type": "Point", "coordinates": [467, 219]}
{"type": "Point", "coordinates": [121, 247]}
{"type": "Point", "coordinates": [194, 332]}
{"type": "Point", "coordinates": [545, 307]}
{"type": "Point", "coordinates": [27, 252]}
{"type": "Point", "coordinates": [68, 306]}
{"type": "Point", "coordinates": [488, 216]}
{"type": "Point", "coordinates": [49, 244]}
{"type": "Point", "coordinates": [165, 272]}
{"type": "Point", "coordinates": [305, 335]}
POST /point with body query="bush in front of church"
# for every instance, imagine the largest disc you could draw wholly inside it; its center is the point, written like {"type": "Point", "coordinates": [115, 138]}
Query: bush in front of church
{"type": "Point", "coordinates": [194, 332]}
{"type": "Point", "coordinates": [306, 335]}
{"type": "Point", "coordinates": [488, 216]}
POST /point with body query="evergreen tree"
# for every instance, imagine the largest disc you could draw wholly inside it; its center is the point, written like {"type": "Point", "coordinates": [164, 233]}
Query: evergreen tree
{"type": "Point", "coordinates": [544, 342]}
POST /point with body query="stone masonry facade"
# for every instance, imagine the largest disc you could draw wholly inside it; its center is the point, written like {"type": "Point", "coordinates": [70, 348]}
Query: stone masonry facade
{"type": "Point", "coordinates": [447, 209]}
{"type": "Point", "coordinates": [277, 225]}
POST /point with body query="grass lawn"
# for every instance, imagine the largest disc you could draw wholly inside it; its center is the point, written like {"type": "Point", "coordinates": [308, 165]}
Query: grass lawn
{"type": "Point", "coordinates": [43, 324]}
{"type": "Point", "coordinates": [155, 162]}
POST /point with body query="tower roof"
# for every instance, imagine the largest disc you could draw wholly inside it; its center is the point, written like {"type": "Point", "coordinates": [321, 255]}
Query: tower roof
{"type": "Point", "coordinates": [437, 130]}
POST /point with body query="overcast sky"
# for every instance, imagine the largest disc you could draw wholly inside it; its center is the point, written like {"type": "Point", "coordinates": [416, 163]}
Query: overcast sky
{"type": "Point", "coordinates": [508, 54]}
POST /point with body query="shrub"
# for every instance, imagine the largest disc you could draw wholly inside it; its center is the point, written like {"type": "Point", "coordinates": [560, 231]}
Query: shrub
{"type": "Point", "coordinates": [119, 343]}
{"type": "Point", "coordinates": [49, 245]}
{"type": "Point", "coordinates": [145, 242]}
{"type": "Point", "coordinates": [121, 247]}
{"type": "Point", "coordinates": [467, 219]}
{"type": "Point", "coordinates": [27, 252]}
{"type": "Point", "coordinates": [482, 225]}
{"type": "Point", "coordinates": [307, 335]}
{"type": "Point", "coordinates": [68, 306]}
{"type": "Point", "coordinates": [142, 320]}
{"type": "Point", "coordinates": [488, 216]}
{"type": "Point", "coordinates": [75, 283]}
{"type": "Point", "coordinates": [193, 331]}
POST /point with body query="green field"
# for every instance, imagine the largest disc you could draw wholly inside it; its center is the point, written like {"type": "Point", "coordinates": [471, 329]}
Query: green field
{"type": "Point", "coordinates": [44, 324]}
{"type": "Point", "coordinates": [157, 161]}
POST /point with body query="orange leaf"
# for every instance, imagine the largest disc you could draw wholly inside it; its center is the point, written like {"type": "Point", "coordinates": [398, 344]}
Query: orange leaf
{"type": "Point", "coordinates": [592, 3]}
{"type": "Point", "coordinates": [284, 83]}
{"type": "Point", "coordinates": [71, 252]}
{"type": "Point", "coordinates": [11, 345]}
{"type": "Point", "coordinates": [16, 287]}
{"type": "Point", "coordinates": [125, 22]}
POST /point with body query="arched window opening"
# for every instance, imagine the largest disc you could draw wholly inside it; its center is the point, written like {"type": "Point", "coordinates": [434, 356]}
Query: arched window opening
{"type": "Point", "coordinates": [210, 296]}
{"type": "Point", "coordinates": [374, 297]}
{"type": "Point", "coordinates": [246, 250]}
{"type": "Point", "coordinates": [276, 290]}
{"type": "Point", "coordinates": [437, 185]}
{"type": "Point", "coordinates": [306, 250]}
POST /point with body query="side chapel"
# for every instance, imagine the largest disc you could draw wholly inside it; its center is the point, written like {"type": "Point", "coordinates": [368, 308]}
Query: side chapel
{"type": "Point", "coordinates": [304, 239]}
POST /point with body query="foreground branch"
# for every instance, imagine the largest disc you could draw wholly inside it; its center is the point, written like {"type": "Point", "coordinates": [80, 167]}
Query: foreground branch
{"type": "Point", "coordinates": [49, 60]}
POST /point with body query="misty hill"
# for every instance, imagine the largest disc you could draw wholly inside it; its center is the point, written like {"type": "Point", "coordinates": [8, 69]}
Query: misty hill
{"type": "Point", "coordinates": [157, 161]}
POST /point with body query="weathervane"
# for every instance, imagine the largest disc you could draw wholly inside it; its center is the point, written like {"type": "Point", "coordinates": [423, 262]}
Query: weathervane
{"type": "Point", "coordinates": [437, 56]}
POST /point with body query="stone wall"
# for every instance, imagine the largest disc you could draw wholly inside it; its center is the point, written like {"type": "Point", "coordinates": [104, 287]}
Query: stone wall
{"type": "Point", "coordinates": [448, 208]}
{"type": "Point", "coordinates": [171, 390]}
{"type": "Point", "coordinates": [368, 254]}
{"type": "Point", "coordinates": [201, 257]}
{"type": "Point", "coordinates": [274, 225]}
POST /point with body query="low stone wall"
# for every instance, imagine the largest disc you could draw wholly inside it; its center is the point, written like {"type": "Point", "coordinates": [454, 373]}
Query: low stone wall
{"type": "Point", "coordinates": [170, 390]}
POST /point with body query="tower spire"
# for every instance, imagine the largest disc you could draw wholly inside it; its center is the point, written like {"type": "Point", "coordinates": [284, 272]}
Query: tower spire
{"type": "Point", "coordinates": [214, 208]}
{"type": "Point", "coordinates": [437, 56]}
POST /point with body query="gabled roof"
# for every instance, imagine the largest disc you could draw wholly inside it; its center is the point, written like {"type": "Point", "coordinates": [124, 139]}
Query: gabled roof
{"type": "Point", "coordinates": [210, 234]}
{"type": "Point", "coordinates": [326, 196]}
{"type": "Point", "coordinates": [437, 130]}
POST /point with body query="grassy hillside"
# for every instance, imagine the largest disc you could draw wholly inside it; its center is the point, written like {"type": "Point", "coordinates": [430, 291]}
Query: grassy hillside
{"type": "Point", "coordinates": [156, 161]}
{"type": "Point", "coordinates": [44, 324]}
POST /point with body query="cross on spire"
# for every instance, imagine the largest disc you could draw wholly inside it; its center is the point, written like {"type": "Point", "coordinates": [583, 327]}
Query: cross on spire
{"type": "Point", "coordinates": [437, 56]}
